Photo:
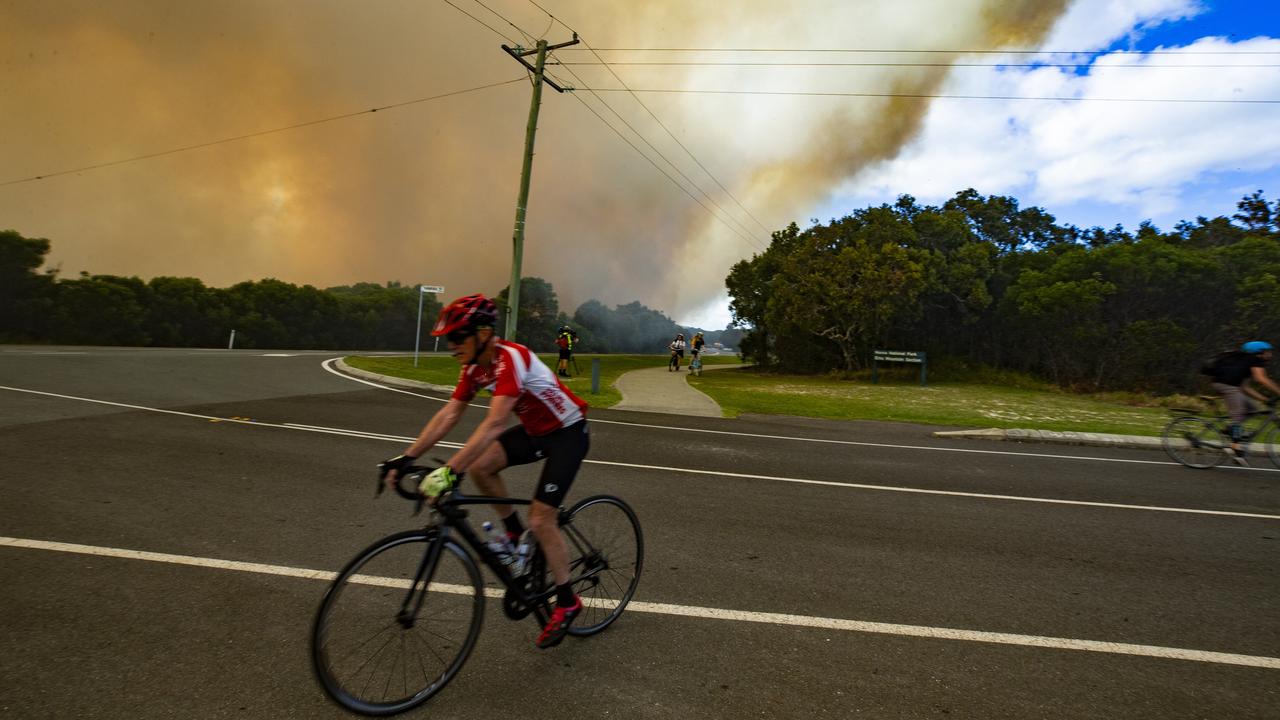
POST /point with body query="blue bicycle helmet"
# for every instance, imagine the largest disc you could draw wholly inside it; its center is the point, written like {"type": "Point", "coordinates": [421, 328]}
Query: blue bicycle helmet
{"type": "Point", "coordinates": [1255, 346]}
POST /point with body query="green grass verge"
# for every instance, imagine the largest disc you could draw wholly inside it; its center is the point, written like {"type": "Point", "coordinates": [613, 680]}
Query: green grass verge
{"type": "Point", "coordinates": [444, 371]}
{"type": "Point", "coordinates": [981, 400]}
{"type": "Point", "coordinates": [944, 403]}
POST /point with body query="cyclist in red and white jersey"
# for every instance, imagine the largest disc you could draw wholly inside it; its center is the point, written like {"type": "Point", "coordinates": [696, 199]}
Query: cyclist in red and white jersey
{"type": "Point", "coordinates": [553, 426]}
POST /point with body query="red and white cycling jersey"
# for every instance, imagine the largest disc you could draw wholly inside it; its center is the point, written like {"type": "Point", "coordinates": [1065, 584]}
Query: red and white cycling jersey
{"type": "Point", "coordinates": [543, 403]}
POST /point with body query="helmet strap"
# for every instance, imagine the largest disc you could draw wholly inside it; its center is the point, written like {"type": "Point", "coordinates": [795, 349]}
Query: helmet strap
{"type": "Point", "coordinates": [480, 350]}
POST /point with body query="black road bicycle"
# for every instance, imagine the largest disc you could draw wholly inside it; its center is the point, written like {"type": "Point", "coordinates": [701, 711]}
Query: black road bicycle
{"type": "Point", "coordinates": [400, 619]}
{"type": "Point", "coordinates": [1200, 442]}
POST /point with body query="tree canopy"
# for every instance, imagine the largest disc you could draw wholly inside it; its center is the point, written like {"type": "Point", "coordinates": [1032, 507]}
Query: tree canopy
{"type": "Point", "coordinates": [983, 280]}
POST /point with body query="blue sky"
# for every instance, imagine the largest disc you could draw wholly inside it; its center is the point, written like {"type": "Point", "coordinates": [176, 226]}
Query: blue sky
{"type": "Point", "coordinates": [1209, 185]}
{"type": "Point", "coordinates": [1232, 19]}
{"type": "Point", "coordinates": [1218, 192]}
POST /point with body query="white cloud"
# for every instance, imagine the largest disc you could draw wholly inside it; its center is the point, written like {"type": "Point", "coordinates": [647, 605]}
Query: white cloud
{"type": "Point", "coordinates": [1096, 24]}
{"type": "Point", "coordinates": [1142, 154]}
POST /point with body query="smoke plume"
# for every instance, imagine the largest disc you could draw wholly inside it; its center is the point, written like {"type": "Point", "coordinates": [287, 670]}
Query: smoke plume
{"type": "Point", "coordinates": [425, 192]}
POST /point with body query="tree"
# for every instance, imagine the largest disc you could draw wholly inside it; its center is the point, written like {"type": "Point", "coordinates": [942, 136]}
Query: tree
{"type": "Point", "coordinates": [539, 318]}
{"type": "Point", "coordinates": [1256, 215]}
{"type": "Point", "coordinates": [850, 282]}
{"type": "Point", "coordinates": [24, 295]}
{"type": "Point", "coordinates": [100, 310]}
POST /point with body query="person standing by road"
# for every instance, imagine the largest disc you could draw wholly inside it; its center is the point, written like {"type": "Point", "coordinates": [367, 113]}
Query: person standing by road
{"type": "Point", "coordinates": [677, 352]}
{"type": "Point", "coordinates": [1234, 375]}
{"type": "Point", "coordinates": [566, 341]}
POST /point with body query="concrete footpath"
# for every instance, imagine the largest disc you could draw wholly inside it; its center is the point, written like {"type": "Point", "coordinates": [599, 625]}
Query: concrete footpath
{"type": "Point", "coordinates": [660, 390]}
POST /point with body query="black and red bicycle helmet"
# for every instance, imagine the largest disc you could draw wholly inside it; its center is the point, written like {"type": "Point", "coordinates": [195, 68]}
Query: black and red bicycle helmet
{"type": "Point", "coordinates": [466, 313]}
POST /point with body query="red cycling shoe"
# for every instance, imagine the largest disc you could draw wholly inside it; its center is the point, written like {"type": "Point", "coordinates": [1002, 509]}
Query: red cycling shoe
{"type": "Point", "coordinates": [558, 626]}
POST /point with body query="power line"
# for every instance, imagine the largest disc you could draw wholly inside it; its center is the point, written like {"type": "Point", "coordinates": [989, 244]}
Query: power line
{"type": "Point", "coordinates": [923, 96]}
{"type": "Point", "coordinates": [528, 37]}
{"type": "Point", "coordinates": [257, 134]}
{"type": "Point", "coordinates": [747, 238]}
{"type": "Point", "coordinates": [473, 17]}
{"type": "Point", "coordinates": [670, 134]}
{"type": "Point", "coordinates": [682, 145]}
{"type": "Point", "coordinates": [626, 140]}
{"type": "Point", "coordinates": [659, 153]}
{"type": "Point", "coordinates": [946, 52]}
{"type": "Point", "coordinates": [1090, 66]}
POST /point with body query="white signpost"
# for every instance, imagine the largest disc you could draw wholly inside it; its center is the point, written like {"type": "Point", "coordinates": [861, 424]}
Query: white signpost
{"type": "Point", "coordinates": [423, 290]}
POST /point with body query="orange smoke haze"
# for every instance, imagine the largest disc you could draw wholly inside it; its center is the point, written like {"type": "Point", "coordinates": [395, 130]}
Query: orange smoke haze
{"type": "Point", "coordinates": [426, 192]}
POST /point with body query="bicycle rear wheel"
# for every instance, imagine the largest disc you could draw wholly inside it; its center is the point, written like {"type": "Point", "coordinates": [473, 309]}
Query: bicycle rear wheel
{"type": "Point", "coordinates": [606, 556]}
{"type": "Point", "coordinates": [372, 655]}
{"type": "Point", "coordinates": [1194, 442]}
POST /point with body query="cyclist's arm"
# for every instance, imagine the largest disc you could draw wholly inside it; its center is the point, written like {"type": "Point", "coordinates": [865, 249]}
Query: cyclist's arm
{"type": "Point", "coordinates": [437, 427]}
{"type": "Point", "coordinates": [1260, 377]}
{"type": "Point", "coordinates": [493, 425]}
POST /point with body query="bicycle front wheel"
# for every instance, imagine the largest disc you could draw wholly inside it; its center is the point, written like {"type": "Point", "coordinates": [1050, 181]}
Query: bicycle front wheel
{"type": "Point", "coordinates": [1271, 441]}
{"type": "Point", "coordinates": [606, 552]}
{"type": "Point", "coordinates": [387, 637]}
{"type": "Point", "coordinates": [1194, 442]}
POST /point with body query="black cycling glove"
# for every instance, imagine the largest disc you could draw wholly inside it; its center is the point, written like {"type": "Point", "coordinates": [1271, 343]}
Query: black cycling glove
{"type": "Point", "coordinates": [397, 463]}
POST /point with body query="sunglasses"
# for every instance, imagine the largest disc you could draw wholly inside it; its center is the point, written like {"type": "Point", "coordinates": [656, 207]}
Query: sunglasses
{"type": "Point", "coordinates": [458, 336]}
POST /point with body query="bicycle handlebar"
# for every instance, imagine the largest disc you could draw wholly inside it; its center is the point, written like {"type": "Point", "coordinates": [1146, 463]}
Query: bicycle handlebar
{"type": "Point", "coordinates": [412, 471]}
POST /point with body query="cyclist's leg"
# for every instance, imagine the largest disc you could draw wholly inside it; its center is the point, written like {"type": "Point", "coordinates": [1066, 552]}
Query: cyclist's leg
{"type": "Point", "coordinates": [512, 448]}
{"type": "Point", "coordinates": [564, 450]}
{"type": "Point", "coordinates": [1237, 405]}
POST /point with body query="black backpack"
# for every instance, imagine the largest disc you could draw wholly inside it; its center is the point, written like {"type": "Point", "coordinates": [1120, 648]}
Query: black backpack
{"type": "Point", "coordinates": [1213, 364]}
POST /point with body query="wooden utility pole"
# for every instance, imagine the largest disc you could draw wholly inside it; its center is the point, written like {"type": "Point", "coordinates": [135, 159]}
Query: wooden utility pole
{"type": "Point", "coordinates": [517, 239]}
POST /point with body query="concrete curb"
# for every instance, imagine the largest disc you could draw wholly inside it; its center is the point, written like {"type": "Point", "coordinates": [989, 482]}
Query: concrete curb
{"type": "Point", "coordinates": [1057, 437]}
{"type": "Point", "coordinates": [342, 367]}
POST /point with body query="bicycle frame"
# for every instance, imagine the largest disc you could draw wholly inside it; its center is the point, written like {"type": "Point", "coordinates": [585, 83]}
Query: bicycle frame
{"type": "Point", "coordinates": [453, 519]}
{"type": "Point", "coordinates": [1223, 424]}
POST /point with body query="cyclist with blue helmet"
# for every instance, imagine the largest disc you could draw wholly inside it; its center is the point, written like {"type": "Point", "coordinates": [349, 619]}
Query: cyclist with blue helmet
{"type": "Point", "coordinates": [1232, 376]}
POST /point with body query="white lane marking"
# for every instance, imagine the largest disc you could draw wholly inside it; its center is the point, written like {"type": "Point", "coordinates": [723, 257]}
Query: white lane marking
{"type": "Point", "coordinates": [279, 355]}
{"type": "Point", "coordinates": [715, 473]}
{"type": "Point", "coordinates": [952, 493]}
{"type": "Point", "coordinates": [1051, 456]}
{"type": "Point", "coordinates": [214, 418]}
{"type": "Point", "coordinates": [707, 613]}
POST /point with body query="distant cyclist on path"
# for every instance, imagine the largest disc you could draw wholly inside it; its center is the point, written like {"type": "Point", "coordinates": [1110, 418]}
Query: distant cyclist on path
{"type": "Point", "coordinates": [677, 352]}
{"type": "Point", "coordinates": [553, 427]}
{"type": "Point", "coordinates": [1234, 375]}
{"type": "Point", "coordinates": [695, 348]}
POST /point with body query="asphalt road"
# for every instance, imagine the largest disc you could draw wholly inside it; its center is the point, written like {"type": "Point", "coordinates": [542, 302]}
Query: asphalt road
{"type": "Point", "coordinates": [794, 568]}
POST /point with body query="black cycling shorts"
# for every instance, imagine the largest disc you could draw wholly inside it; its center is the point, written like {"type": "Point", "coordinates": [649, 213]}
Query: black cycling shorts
{"type": "Point", "coordinates": [564, 354]}
{"type": "Point", "coordinates": [563, 450]}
